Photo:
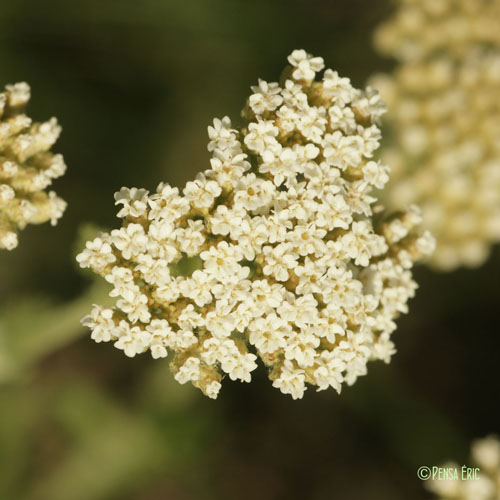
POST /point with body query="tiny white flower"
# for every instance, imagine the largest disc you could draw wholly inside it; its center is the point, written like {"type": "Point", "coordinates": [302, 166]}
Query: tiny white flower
{"type": "Point", "coordinates": [189, 371]}
{"type": "Point", "coordinates": [266, 97]}
{"type": "Point", "coordinates": [306, 65]}
{"type": "Point", "coordinates": [134, 202]}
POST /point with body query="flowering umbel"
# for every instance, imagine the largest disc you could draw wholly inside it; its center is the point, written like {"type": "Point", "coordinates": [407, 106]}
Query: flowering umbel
{"type": "Point", "coordinates": [27, 167]}
{"type": "Point", "coordinates": [444, 122]}
{"type": "Point", "coordinates": [273, 253]}
{"type": "Point", "coordinates": [485, 485]}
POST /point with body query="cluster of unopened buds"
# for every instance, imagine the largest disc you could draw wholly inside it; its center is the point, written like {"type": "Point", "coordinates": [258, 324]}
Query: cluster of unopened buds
{"type": "Point", "coordinates": [481, 482]}
{"type": "Point", "coordinates": [444, 122]}
{"type": "Point", "coordinates": [277, 252]}
{"type": "Point", "coordinates": [27, 167]}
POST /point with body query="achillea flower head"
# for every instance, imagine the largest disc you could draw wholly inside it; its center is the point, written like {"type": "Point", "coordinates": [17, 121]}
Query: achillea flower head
{"type": "Point", "coordinates": [27, 167]}
{"type": "Point", "coordinates": [273, 253]}
{"type": "Point", "coordinates": [444, 122]}
{"type": "Point", "coordinates": [485, 454]}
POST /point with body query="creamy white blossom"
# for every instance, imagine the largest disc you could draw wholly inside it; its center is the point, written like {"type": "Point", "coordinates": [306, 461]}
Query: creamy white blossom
{"type": "Point", "coordinates": [27, 167]}
{"type": "Point", "coordinates": [444, 122]}
{"type": "Point", "coordinates": [273, 254]}
{"type": "Point", "coordinates": [485, 485]}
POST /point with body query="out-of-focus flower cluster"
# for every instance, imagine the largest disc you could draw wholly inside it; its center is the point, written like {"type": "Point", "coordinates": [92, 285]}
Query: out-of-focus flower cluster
{"type": "Point", "coordinates": [486, 456]}
{"type": "Point", "coordinates": [27, 167]}
{"type": "Point", "coordinates": [444, 121]}
{"type": "Point", "coordinates": [276, 252]}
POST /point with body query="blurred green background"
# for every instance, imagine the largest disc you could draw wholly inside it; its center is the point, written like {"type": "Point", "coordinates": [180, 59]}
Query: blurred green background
{"type": "Point", "coordinates": [134, 85]}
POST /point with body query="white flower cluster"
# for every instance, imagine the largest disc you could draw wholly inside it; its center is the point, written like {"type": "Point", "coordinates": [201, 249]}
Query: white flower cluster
{"type": "Point", "coordinates": [444, 122]}
{"type": "Point", "coordinates": [486, 457]}
{"type": "Point", "coordinates": [27, 167]}
{"type": "Point", "coordinates": [274, 252]}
